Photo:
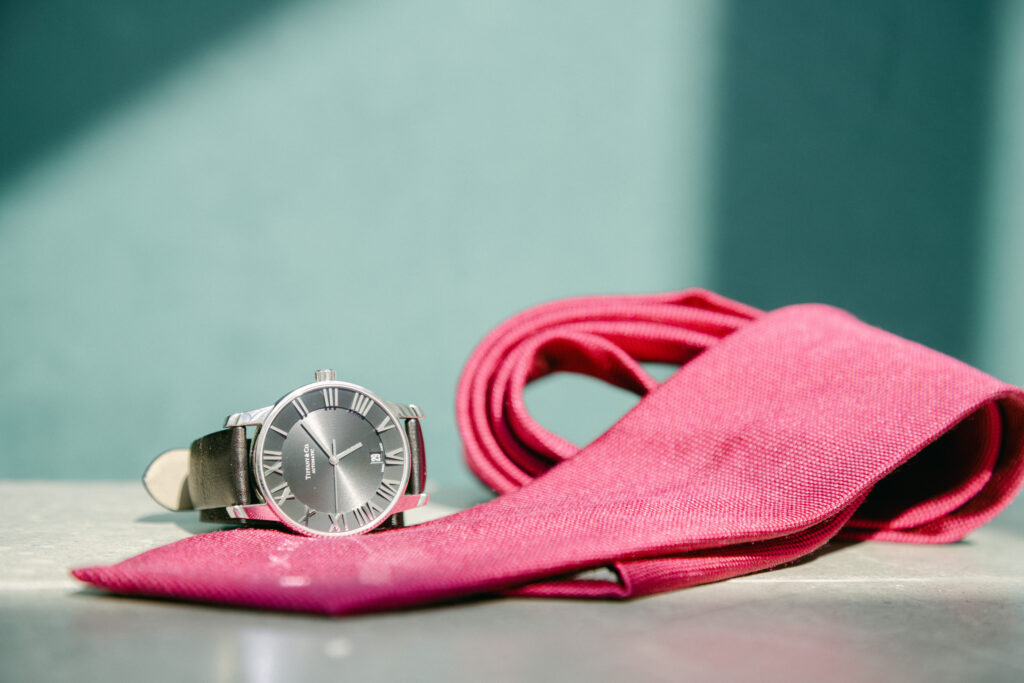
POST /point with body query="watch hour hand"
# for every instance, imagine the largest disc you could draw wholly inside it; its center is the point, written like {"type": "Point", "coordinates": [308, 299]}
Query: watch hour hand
{"type": "Point", "coordinates": [347, 451]}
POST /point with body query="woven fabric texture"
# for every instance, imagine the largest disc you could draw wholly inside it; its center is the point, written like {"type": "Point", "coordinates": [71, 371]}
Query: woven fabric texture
{"type": "Point", "coordinates": [779, 432]}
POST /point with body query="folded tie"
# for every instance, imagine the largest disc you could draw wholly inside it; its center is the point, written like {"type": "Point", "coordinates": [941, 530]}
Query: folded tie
{"type": "Point", "coordinates": [779, 432]}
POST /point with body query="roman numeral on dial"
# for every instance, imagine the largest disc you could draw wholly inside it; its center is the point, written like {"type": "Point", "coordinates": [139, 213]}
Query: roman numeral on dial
{"type": "Point", "coordinates": [361, 404]}
{"type": "Point", "coordinates": [281, 493]}
{"type": "Point", "coordinates": [300, 406]}
{"type": "Point", "coordinates": [385, 425]}
{"type": "Point", "coordinates": [366, 513]}
{"type": "Point", "coordinates": [330, 397]}
{"type": "Point", "coordinates": [388, 489]}
{"type": "Point", "coordinates": [362, 515]}
{"type": "Point", "coordinates": [394, 457]}
{"type": "Point", "coordinates": [269, 458]}
{"type": "Point", "coordinates": [335, 528]}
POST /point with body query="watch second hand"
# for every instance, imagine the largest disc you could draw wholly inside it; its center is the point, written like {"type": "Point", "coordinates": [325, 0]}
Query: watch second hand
{"type": "Point", "coordinates": [334, 475]}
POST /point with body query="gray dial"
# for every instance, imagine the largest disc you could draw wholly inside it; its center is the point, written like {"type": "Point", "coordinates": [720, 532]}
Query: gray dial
{"type": "Point", "coordinates": [331, 460]}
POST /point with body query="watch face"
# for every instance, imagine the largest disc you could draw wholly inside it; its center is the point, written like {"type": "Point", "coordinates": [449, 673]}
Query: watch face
{"type": "Point", "coordinates": [331, 460]}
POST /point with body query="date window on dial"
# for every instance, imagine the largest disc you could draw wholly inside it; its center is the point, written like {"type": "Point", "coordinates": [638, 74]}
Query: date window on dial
{"type": "Point", "coordinates": [374, 458]}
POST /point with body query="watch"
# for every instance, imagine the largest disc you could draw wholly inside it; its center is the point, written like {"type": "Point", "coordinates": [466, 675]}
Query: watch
{"type": "Point", "coordinates": [329, 459]}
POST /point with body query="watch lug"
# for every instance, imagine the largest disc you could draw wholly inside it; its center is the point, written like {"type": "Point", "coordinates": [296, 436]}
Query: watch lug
{"type": "Point", "coordinates": [405, 412]}
{"type": "Point", "coordinates": [260, 511]}
{"type": "Point", "coordinates": [410, 501]}
{"type": "Point", "coordinates": [251, 418]}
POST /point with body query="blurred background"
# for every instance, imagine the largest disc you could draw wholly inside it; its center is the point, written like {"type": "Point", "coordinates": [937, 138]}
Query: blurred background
{"type": "Point", "coordinates": [201, 203]}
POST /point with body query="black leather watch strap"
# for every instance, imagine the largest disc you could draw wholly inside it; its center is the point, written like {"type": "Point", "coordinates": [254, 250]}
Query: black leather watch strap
{"type": "Point", "coordinates": [218, 470]}
{"type": "Point", "coordinates": [417, 455]}
{"type": "Point", "coordinates": [417, 474]}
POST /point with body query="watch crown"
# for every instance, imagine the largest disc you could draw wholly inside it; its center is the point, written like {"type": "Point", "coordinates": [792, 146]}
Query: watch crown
{"type": "Point", "coordinates": [325, 375]}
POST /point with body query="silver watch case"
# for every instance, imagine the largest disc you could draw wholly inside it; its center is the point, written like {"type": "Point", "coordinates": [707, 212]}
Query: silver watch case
{"type": "Point", "coordinates": [267, 508]}
{"type": "Point", "coordinates": [166, 478]}
{"type": "Point", "coordinates": [256, 455]}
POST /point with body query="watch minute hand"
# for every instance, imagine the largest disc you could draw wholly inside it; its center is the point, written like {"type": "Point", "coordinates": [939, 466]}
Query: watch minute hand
{"type": "Point", "coordinates": [317, 441]}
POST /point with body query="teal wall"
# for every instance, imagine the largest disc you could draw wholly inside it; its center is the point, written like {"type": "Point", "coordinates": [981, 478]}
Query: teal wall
{"type": "Point", "coordinates": [364, 186]}
{"type": "Point", "coordinates": [853, 153]}
{"type": "Point", "coordinates": [201, 204]}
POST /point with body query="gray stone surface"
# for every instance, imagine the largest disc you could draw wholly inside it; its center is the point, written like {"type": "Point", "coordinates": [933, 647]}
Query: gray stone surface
{"type": "Point", "coordinates": [869, 611]}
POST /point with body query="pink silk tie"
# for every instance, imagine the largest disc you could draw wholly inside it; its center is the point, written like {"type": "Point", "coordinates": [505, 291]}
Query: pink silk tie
{"type": "Point", "coordinates": [779, 432]}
